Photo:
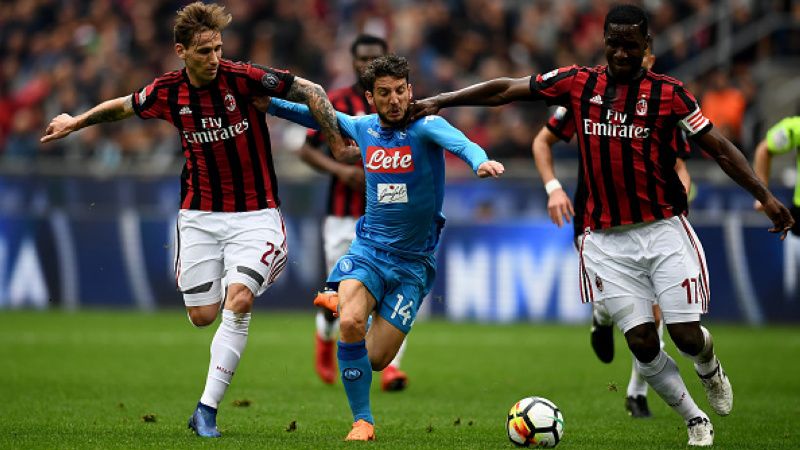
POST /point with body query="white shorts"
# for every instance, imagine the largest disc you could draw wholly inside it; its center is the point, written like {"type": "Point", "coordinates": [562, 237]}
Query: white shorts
{"type": "Point", "coordinates": [337, 235]}
{"type": "Point", "coordinates": [242, 247]}
{"type": "Point", "coordinates": [627, 267]}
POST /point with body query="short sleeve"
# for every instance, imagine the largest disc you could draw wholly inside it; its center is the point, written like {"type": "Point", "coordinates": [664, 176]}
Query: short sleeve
{"type": "Point", "coordinates": [690, 117]}
{"type": "Point", "coordinates": [562, 124]}
{"type": "Point", "coordinates": [149, 103]}
{"type": "Point", "coordinates": [263, 80]}
{"type": "Point", "coordinates": [554, 86]}
{"type": "Point", "coordinates": [779, 138]}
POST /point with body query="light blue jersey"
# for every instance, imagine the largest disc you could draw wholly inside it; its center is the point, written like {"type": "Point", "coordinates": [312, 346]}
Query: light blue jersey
{"type": "Point", "coordinates": [404, 171]}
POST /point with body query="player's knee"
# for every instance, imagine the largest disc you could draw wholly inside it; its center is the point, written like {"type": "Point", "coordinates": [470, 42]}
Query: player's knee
{"type": "Point", "coordinates": [688, 337]}
{"type": "Point", "coordinates": [202, 316]}
{"type": "Point", "coordinates": [239, 299]}
{"type": "Point", "coordinates": [352, 328]}
{"type": "Point", "coordinates": [643, 342]}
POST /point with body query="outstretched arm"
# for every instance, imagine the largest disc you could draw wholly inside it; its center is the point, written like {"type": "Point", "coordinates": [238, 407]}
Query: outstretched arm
{"type": "Point", "coordinates": [731, 160]}
{"type": "Point", "coordinates": [762, 163]}
{"type": "Point", "coordinates": [559, 206]}
{"type": "Point", "coordinates": [489, 93]}
{"type": "Point", "coordinates": [312, 94]}
{"type": "Point", "coordinates": [301, 115]}
{"type": "Point", "coordinates": [108, 111]}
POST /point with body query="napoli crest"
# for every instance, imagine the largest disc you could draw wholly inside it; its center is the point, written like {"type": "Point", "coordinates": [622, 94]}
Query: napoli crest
{"type": "Point", "coordinates": [345, 265]}
{"type": "Point", "coordinates": [230, 102]}
{"type": "Point", "coordinates": [351, 374]}
{"type": "Point", "coordinates": [641, 107]}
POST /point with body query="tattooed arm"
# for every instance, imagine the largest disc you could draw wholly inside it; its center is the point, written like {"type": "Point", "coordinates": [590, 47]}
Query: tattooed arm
{"type": "Point", "coordinates": [108, 111]}
{"type": "Point", "coordinates": [304, 91]}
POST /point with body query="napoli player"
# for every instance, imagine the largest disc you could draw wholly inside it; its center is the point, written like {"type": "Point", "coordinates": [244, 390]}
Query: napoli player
{"type": "Point", "coordinates": [391, 264]}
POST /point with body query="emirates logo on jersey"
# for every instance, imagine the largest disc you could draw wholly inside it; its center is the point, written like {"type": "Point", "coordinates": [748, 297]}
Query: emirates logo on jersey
{"type": "Point", "coordinates": [230, 102]}
{"type": "Point", "coordinates": [389, 160]}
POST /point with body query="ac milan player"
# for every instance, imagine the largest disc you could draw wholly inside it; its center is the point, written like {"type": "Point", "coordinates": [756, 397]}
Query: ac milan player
{"type": "Point", "coordinates": [637, 245]}
{"type": "Point", "coordinates": [346, 203]}
{"type": "Point", "coordinates": [229, 223]}
{"type": "Point", "coordinates": [560, 126]}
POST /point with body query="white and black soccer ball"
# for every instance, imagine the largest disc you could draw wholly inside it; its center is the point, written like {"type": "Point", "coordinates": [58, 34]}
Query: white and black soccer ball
{"type": "Point", "coordinates": [535, 422]}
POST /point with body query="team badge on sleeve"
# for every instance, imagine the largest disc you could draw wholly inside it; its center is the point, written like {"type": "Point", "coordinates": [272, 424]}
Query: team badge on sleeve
{"type": "Point", "coordinates": [142, 95]}
{"type": "Point", "coordinates": [270, 81]}
{"type": "Point", "coordinates": [549, 75]}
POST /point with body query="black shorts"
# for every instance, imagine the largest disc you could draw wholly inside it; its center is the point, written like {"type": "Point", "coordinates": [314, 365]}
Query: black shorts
{"type": "Point", "coordinates": [795, 210]}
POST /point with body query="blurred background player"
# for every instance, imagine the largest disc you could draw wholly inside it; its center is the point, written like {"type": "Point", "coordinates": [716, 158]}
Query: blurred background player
{"type": "Point", "coordinates": [346, 203]}
{"type": "Point", "coordinates": [560, 126]}
{"type": "Point", "coordinates": [782, 138]}
{"type": "Point", "coordinates": [230, 230]}
{"type": "Point", "coordinates": [637, 245]}
{"type": "Point", "coordinates": [391, 265]}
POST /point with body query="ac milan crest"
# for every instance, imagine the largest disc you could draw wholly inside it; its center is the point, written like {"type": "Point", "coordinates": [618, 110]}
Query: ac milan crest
{"type": "Point", "coordinates": [641, 107]}
{"type": "Point", "coordinates": [598, 282]}
{"type": "Point", "coordinates": [230, 102]}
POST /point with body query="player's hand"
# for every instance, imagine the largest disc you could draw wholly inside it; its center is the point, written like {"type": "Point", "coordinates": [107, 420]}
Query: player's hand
{"type": "Point", "coordinates": [262, 103]}
{"type": "Point", "coordinates": [60, 126]}
{"type": "Point", "coordinates": [559, 207]}
{"type": "Point", "coordinates": [490, 169]}
{"type": "Point", "coordinates": [421, 108]}
{"type": "Point", "coordinates": [758, 206]}
{"type": "Point", "coordinates": [780, 216]}
{"type": "Point", "coordinates": [353, 177]}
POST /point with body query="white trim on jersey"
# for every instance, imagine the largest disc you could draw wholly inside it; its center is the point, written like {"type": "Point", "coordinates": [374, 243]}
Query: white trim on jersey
{"type": "Point", "coordinates": [694, 122]}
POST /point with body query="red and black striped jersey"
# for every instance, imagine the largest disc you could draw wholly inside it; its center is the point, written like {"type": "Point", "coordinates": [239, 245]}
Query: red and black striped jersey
{"type": "Point", "coordinates": [344, 201]}
{"type": "Point", "coordinates": [225, 139]}
{"type": "Point", "coordinates": [627, 139]}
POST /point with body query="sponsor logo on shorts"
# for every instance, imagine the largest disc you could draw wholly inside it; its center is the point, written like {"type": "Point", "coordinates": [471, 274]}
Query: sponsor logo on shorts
{"type": "Point", "coordinates": [345, 265]}
{"type": "Point", "coordinates": [351, 374]}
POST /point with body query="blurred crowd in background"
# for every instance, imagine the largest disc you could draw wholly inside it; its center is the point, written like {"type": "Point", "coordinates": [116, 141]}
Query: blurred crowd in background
{"type": "Point", "coordinates": [68, 55]}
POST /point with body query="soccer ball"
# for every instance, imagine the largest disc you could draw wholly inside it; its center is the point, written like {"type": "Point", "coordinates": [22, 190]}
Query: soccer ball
{"type": "Point", "coordinates": [535, 422]}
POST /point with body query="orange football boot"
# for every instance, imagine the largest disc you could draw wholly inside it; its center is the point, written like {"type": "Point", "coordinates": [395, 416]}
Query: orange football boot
{"type": "Point", "coordinates": [328, 300]}
{"type": "Point", "coordinates": [362, 431]}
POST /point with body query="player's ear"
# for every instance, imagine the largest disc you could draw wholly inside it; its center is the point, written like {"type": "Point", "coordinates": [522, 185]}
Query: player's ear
{"type": "Point", "coordinates": [180, 50]}
{"type": "Point", "coordinates": [410, 92]}
{"type": "Point", "coordinates": [370, 98]}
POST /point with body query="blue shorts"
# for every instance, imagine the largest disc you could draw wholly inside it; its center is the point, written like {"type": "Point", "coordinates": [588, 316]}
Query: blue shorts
{"type": "Point", "coordinates": [398, 284]}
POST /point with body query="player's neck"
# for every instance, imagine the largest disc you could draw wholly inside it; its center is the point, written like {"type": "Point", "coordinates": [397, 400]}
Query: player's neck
{"type": "Point", "coordinates": [196, 82]}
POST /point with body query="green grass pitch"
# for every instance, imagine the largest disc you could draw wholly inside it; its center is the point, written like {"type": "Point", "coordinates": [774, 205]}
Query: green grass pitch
{"type": "Point", "coordinates": [129, 380]}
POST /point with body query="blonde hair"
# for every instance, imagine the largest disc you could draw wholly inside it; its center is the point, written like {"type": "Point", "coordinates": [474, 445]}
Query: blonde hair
{"type": "Point", "coordinates": [198, 17]}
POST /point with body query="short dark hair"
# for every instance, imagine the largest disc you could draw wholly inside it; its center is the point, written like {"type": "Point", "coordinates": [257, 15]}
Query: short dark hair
{"type": "Point", "coordinates": [625, 14]}
{"type": "Point", "coordinates": [368, 39]}
{"type": "Point", "coordinates": [387, 65]}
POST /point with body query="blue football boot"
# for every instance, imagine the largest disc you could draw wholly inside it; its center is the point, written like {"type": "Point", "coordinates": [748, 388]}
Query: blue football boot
{"type": "Point", "coordinates": [204, 421]}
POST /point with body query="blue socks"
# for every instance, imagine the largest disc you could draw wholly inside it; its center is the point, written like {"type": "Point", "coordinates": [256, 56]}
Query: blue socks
{"type": "Point", "coordinates": [356, 372]}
